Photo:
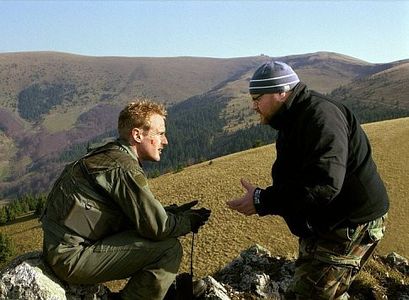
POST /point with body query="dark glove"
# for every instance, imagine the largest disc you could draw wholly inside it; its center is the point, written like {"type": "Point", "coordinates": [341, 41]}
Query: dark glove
{"type": "Point", "coordinates": [198, 217]}
{"type": "Point", "coordinates": [174, 209]}
{"type": "Point", "coordinates": [187, 206]}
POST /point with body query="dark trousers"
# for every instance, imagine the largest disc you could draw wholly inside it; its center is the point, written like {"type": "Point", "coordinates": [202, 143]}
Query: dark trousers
{"type": "Point", "coordinates": [151, 266]}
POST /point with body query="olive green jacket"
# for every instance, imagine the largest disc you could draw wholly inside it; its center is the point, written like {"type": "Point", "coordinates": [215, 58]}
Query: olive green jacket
{"type": "Point", "coordinates": [106, 192]}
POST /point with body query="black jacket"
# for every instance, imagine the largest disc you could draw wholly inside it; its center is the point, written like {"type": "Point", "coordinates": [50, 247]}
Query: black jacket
{"type": "Point", "coordinates": [324, 175]}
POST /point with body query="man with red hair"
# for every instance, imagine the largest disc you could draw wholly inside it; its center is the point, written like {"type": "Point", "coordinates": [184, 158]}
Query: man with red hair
{"type": "Point", "coordinates": [103, 223]}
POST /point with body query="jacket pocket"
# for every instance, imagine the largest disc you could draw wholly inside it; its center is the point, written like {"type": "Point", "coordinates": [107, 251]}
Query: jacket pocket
{"type": "Point", "coordinates": [376, 229]}
{"type": "Point", "coordinates": [92, 220]}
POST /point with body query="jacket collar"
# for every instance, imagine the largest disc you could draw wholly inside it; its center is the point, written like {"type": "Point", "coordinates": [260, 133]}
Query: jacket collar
{"type": "Point", "coordinates": [281, 119]}
{"type": "Point", "coordinates": [125, 146]}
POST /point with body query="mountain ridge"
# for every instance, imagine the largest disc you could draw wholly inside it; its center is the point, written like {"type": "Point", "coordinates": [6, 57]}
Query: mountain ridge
{"type": "Point", "coordinates": [53, 104]}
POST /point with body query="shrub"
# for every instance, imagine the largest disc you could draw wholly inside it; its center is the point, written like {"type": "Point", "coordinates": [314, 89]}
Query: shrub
{"type": "Point", "coordinates": [3, 215]}
{"type": "Point", "coordinates": [6, 247]}
{"type": "Point", "coordinates": [11, 213]}
{"type": "Point", "coordinates": [40, 205]}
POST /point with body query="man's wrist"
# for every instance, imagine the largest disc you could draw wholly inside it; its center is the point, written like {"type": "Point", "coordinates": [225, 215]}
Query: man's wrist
{"type": "Point", "coordinates": [256, 197]}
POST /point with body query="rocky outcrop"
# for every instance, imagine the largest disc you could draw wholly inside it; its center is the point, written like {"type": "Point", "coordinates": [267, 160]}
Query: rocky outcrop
{"type": "Point", "coordinates": [28, 277]}
{"type": "Point", "coordinates": [399, 262]}
{"type": "Point", "coordinates": [254, 274]}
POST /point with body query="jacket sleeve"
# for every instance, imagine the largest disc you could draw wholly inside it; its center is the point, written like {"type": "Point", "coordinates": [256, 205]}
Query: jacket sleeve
{"type": "Point", "coordinates": [318, 176]}
{"type": "Point", "coordinates": [131, 192]}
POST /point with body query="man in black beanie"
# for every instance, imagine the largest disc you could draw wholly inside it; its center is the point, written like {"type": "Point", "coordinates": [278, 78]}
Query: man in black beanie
{"type": "Point", "coordinates": [325, 183]}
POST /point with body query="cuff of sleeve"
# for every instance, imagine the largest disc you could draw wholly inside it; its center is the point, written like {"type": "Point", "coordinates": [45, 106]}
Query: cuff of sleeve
{"type": "Point", "coordinates": [258, 203]}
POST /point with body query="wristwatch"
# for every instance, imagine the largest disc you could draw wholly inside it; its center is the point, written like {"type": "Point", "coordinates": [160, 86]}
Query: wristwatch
{"type": "Point", "coordinates": [256, 196]}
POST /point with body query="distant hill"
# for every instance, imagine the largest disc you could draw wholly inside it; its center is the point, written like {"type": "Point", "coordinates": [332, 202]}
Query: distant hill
{"type": "Point", "coordinates": [107, 79]}
{"type": "Point", "coordinates": [381, 93]}
{"type": "Point", "coordinates": [52, 105]}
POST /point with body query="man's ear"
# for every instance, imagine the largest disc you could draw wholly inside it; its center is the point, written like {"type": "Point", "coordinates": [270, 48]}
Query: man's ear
{"type": "Point", "coordinates": [284, 96]}
{"type": "Point", "coordinates": [136, 135]}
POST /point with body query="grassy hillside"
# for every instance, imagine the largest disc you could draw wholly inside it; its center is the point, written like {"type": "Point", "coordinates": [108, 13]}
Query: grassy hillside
{"type": "Point", "coordinates": [217, 182]}
{"type": "Point", "coordinates": [390, 143]}
{"type": "Point", "coordinates": [227, 233]}
{"type": "Point", "coordinates": [384, 91]}
{"type": "Point", "coordinates": [52, 103]}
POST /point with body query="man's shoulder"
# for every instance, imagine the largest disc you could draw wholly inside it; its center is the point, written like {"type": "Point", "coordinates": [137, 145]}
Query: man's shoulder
{"type": "Point", "coordinates": [322, 105]}
{"type": "Point", "coordinates": [111, 156]}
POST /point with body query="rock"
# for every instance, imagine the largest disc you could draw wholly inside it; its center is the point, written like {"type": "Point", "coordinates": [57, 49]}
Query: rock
{"type": "Point", "coordinates": [256, 272]}
{"type": "Point", "coordinates": [399, 262]}
{"type": "Point", "coordinates": [28, 277]}
{"type": "Point", "coordinates": [215, 290]}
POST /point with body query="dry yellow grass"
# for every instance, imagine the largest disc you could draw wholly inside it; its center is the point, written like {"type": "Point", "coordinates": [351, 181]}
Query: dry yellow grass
{"type": "Point", "coordinates": [227, 232]}
{"type": "Point", "coordinates": [26, 234]}
{"type": "Point", "coordinates": [390, 144]}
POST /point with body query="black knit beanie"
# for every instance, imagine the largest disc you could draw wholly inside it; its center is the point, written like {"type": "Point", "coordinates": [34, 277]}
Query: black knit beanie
{"type": "Point", "coordinates": [273, 77]}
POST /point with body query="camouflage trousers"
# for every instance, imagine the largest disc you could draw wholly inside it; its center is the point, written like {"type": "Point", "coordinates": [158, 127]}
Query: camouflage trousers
{"type": "Point", "coordinates": [328, 263]}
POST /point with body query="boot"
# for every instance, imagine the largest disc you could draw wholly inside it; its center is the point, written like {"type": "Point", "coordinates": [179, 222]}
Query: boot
{"type": "Point", "coordinates": [171, 293]}
{"type": "Point", "coordinates": [114, 296]}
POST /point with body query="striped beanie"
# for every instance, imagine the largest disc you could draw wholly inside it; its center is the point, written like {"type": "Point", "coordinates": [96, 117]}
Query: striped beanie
{"type": "Point", "coordinates": [273, 77]}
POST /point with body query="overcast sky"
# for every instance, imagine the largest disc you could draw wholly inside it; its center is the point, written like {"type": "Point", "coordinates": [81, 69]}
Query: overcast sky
{"type": "Point", "coordinates": [374, 31]}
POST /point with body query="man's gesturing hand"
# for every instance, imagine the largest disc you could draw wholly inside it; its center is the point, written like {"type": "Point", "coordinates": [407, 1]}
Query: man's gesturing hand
{"type": "Point", "coordinates": [245, 204]}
